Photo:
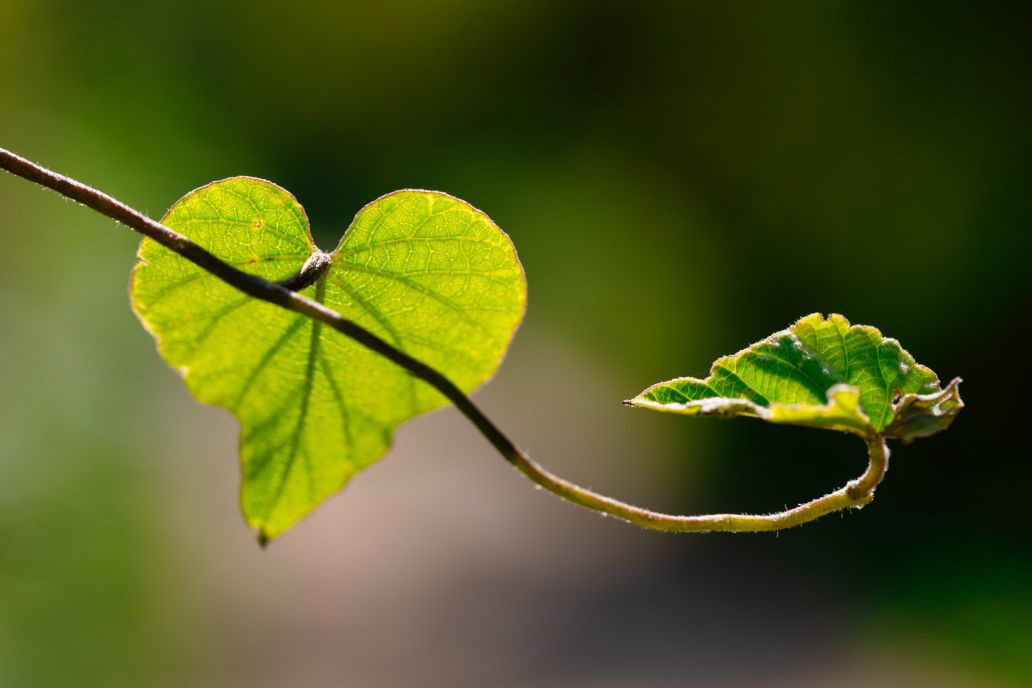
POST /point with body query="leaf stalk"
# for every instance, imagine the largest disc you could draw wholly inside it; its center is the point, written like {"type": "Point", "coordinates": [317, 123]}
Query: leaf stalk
{"type": "Point", "coordinates": [855, 494]}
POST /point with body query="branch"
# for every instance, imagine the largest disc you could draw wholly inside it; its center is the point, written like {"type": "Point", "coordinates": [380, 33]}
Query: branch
{"type": "Point", "coordinates": [855, 494]}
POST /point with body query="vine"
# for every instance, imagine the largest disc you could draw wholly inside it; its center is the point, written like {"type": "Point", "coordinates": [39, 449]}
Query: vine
{"type": "Point", "coordinates": [819, 373]}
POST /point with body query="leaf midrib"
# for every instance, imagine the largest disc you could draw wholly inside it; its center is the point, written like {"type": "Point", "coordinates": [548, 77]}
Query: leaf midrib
{"type": "Point", "coordinates": [309, 383]}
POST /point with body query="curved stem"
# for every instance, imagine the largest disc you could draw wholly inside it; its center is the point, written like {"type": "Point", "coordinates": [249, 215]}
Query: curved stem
{"type": "Point", "coordinates": [856, 493]}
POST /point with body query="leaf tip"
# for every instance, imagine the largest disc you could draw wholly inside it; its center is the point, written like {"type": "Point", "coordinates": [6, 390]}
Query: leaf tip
{"type": "Point", "coordinates": [922, 415]}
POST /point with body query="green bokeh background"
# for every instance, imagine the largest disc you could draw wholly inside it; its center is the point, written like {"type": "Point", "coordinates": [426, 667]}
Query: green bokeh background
{"type": "Point", "coordinates": [680, 179]}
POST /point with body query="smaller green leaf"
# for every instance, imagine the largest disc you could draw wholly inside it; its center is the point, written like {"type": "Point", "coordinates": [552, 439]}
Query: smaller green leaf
{"type": "Point", "coordinates": [822, 373]}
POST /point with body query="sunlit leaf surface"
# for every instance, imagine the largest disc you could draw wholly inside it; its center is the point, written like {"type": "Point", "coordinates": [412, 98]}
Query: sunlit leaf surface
{"type": "Point", "coordinates": [423, 270]}
{"type": "Point", "coordinates": [820, 372]}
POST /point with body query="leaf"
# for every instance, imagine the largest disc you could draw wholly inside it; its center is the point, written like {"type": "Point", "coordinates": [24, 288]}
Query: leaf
{"type": "Point", "coordinates": [425, 271]}
{"type": "Point", "coordinates": [822, 373]}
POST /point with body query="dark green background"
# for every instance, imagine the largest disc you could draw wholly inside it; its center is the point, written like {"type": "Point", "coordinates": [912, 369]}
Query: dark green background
{"type": "Point", "coordinates": [680, 179]}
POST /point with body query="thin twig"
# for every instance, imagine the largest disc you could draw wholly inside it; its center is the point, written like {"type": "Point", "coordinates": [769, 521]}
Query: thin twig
{"type": "Point", "coordinates": [856, 493]}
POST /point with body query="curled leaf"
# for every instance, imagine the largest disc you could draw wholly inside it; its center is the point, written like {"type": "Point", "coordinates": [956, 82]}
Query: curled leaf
{"type": "Point", "coordinates": [820, 372]}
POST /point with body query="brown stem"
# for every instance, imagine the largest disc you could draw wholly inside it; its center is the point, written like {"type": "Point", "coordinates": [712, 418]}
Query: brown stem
{"type": "Point", "coordinates": [856, 493]}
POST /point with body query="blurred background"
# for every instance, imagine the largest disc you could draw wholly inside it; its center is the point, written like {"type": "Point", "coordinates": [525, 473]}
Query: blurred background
{"type": "Point", "coordinates": [680, 179]}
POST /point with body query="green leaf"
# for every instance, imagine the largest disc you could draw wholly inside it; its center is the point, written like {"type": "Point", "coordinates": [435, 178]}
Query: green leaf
{"type": "Point", "coordinates": [425, 271]}
{"type": "Point", "coordinates": [822, 373]}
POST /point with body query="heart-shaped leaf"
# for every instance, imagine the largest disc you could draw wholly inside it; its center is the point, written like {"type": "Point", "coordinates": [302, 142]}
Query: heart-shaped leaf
{"type": "Point", "coordinates": [821, 373]}
{"type": "Point", "coordinates": [425, 271]}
